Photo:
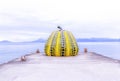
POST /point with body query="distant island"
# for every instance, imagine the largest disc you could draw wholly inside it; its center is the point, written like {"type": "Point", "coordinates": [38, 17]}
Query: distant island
{"type": "Point", "coordinates": [78, 40]}
{"type": "Point", "coordinates": [97, 40]}
{"type": "Point", "coordinates": [88, 40]}
{"type": "Point", "coordinates": [5, 41]}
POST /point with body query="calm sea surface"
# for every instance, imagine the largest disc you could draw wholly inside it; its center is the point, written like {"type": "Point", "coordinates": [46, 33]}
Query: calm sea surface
{"type": "Point", "coordinates": [15, 50]}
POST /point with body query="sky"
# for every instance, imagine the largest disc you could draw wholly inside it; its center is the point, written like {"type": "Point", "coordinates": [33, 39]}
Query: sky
{"type": "Point", "coordinates": [27, 20]}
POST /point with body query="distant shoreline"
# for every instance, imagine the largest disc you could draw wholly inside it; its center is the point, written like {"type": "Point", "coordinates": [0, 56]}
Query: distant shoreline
{"type": "Point", "coordinates": [78, 40]}
{"type": "Point", "coordinates": [45, 42]}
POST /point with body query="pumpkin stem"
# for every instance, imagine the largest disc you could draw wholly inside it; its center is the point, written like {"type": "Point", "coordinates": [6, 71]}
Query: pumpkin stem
{"type": "Point", "coordinates": [60, 28]}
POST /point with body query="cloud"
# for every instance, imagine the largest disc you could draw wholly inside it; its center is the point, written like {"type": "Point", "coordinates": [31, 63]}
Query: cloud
{"type": "Point", "coordinates": [31, 19]}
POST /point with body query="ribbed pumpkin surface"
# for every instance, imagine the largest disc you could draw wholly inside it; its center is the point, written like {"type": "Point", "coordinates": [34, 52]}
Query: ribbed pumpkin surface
{"type": "Point", "coordinates": [61, 43]}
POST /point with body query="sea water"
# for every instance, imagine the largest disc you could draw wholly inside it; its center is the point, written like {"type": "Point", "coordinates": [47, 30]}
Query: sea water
{"type": "Point", "coordinates": [9, 51]}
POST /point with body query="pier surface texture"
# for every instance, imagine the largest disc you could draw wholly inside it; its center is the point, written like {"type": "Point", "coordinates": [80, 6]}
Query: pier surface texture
{"type": "Point", "coordinates": [83, 67]}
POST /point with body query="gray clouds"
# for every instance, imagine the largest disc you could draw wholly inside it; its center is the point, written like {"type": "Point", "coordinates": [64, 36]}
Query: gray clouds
{"type": "Point", "coordinates": [32, 19]}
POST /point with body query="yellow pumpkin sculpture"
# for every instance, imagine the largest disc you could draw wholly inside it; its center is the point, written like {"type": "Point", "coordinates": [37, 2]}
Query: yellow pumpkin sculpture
{"type": "Point", "coordinates": [61, 43]}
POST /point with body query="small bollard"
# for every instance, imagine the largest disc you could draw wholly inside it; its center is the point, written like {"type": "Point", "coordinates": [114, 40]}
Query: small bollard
{"type": "Point", "coordinates": [23, 58]}
{"type": "Point", "coordinates": [37, 51]}
{"type": "Point", "coordinates": [85, 50]}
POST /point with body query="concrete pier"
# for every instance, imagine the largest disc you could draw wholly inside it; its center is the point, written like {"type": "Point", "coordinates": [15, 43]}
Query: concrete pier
{"type": "Point", "coordinates": [83, 67]}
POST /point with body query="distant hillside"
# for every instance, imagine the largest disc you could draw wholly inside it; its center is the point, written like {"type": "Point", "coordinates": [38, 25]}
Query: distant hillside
{"type": "Point", "coordinates": [78, 40]}
{"type": "Point", "coordinates": [5, 41]}
{"type": "Point", "coordinates": [39, 40]}
{"type": "Point", "coordinates": [97, 40]}
{"type": "Point", "coordinates": [88, 40]}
